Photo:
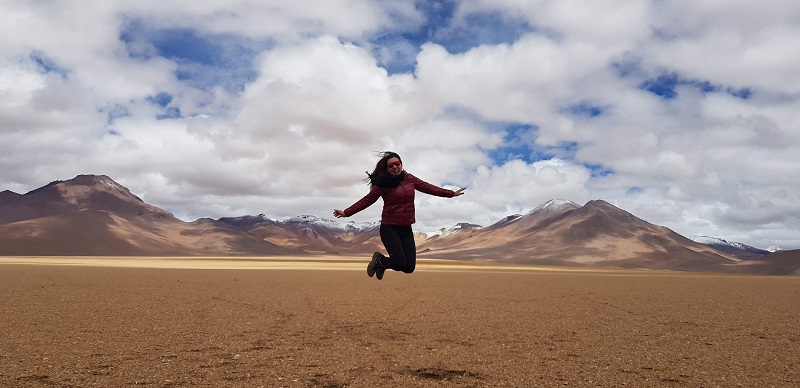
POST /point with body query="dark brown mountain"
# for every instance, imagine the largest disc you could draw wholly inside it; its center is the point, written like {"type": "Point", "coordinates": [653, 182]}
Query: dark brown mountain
{"type": "Point", "coordinates": [775, 263]}
{"type": "Point", "coordinates": [9, 196]}
{"type": "Point", "coordinates": [84, 192]}
{"type": "Point", "coordinates": [93, 215]}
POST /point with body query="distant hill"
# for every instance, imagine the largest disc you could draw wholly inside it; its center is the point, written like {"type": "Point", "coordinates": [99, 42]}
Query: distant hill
{"type": "Point", "coordinates": [737, 249]}
{"type": "Point", "coordinates": [93, 215]}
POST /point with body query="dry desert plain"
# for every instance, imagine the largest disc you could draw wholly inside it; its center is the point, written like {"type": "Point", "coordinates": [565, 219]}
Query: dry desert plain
{"type": "Point", "coordinates": [172, 322]}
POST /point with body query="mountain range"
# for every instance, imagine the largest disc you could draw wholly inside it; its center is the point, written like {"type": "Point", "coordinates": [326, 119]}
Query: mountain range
{"type": "Point", "coordinates": [94, 215]}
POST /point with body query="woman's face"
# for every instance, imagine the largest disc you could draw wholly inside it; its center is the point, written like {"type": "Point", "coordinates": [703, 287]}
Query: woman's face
{"type": "Point", "coordinates": [394, 166]}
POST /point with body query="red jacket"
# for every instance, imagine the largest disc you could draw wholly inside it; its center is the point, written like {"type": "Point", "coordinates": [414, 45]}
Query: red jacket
{"type": "Point", "coordinates": [398, 202]}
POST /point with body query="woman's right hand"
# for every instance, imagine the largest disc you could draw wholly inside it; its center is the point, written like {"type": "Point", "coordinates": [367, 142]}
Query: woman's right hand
{"type": "Point", "coordinates": [339, 213]}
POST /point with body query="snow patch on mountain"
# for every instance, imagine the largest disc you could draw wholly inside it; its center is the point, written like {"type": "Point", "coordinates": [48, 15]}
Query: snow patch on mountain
{"type": "Point", "coordinates": [708, 240]}
{"type": "Point", "coordinates": [462, 226]}
{"type": "Point", "coordinates": [330, 224]}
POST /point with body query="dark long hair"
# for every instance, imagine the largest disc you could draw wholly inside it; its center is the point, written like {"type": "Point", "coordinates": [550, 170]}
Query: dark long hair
{"type": "Point", "coordinates": [382, 168]}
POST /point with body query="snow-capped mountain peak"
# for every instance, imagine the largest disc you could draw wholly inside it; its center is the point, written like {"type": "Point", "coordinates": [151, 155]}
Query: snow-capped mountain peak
{"type": "Point", "coordinates": [554, 205]}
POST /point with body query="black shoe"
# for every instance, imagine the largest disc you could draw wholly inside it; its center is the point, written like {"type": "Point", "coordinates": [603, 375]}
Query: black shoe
{"type": "Point", "coordinates": [379, 271]}
{"type": "Point", "coordinates": [374, 264]}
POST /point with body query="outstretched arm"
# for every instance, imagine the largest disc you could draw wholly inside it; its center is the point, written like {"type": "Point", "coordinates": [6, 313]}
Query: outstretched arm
{"type": "Point", "coordinates": [362, 204]}
{"type": "Point", "coordinates": [428, 188]}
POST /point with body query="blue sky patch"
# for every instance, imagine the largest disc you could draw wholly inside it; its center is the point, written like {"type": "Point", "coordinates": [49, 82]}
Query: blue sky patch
{"type": "Point", "coordinates": [395, 53]}
{"type": "Point", "coordinates": [519, 144]}
{"type": "Point", "coordinates": [508, 152]}
{"type": "Point", "coordinates": [665, 84]}
{"type": "Point", "coordinates": [598, 170]}
{"type": "Point", "coordinates": [480, 29]}
{"type": "Point", "coordinates": [204, 60]}
{"type": "Point", "coordinates": [456, 36]}
{"type": "Point", "coordinates": [161, 99]}
{"type": "Point", "coordinates": [187, 46]}
{"type": "Point", "coordinates": [662, 86]}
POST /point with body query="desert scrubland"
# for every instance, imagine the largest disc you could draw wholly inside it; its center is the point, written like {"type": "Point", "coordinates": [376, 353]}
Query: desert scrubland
{"type": "Point", "coordinates": [175, 322]}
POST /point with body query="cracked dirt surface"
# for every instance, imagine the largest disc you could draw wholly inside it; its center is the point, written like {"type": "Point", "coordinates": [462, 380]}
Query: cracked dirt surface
{"type": "Point", "coordinates": [82, 326]}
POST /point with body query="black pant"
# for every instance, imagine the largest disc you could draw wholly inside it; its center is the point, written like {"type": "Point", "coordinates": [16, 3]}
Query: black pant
{"type": "Point", "coordinates": [399, 243]}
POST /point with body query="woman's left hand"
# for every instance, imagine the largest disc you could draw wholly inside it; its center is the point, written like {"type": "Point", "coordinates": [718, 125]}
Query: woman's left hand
{"type": "Point", "coordinates": [459, 192]}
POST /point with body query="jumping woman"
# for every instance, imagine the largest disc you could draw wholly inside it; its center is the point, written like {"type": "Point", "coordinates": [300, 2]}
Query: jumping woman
{"type": "Point", "coordinates": [396, 187]}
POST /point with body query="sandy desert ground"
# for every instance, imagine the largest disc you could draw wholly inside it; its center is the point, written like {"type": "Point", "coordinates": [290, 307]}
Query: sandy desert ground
{"type": "Point", "coordinates": [84, 322]}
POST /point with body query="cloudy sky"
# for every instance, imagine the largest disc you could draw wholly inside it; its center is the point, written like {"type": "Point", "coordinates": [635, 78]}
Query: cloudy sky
{"type": "Point", "coordinates": [682, 112]}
